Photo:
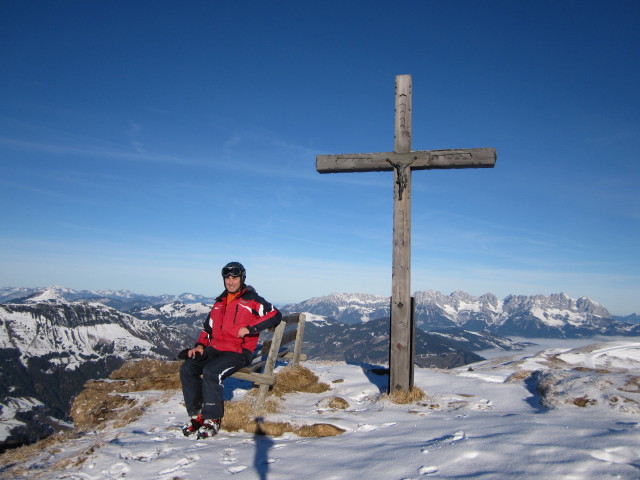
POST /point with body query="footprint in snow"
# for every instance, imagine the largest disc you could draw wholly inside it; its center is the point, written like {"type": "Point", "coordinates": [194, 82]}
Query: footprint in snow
{"type": "Point", "coordinates": [365, 427]}
{"type": "Point", "coordinates": [228, 456]}
{"type": "Point", "coordinates": [447, 439]}
{"type": "Point", "coordinates": [119, 469]}
{"type": "Point", "coordinates": [237, 469]}
{"type": "Point", "coordinates": [146, 456]}
{"type": "Point", "coordinates": [180, 464]}
{"type": "Point", "coordinates": [483, 405]}
{"type": "Point", "coordinates": [430, 470]}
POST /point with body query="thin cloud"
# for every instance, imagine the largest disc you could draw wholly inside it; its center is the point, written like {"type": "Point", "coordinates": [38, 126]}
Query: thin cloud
{"type": "Point", "coordinates": [89, 151]}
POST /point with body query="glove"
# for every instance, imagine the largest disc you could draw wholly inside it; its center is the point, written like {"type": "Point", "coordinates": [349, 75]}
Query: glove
{"type": "Point", "coordinates": [184, 354]}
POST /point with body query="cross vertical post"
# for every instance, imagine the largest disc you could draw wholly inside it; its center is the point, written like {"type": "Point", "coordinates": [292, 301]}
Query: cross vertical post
{"type": "Point", "coordinates": [402, 161]}
{"type": "Point", "coordinates": [401, 330]}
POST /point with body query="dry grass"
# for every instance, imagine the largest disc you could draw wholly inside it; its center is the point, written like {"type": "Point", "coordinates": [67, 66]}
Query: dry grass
{"type": "Point", "coordinates": [632, 385]}
{"type": "Point", "coordinates": [621, 399]}
{"type": "Point", "coordinates": [401, 397]}
{"type": "Point", "coordinates": [519, 376]}
{"type": "Point", "coordinates": [297, 379]}
{"type": "Point", "coordinates": [15, 463]}
{"type": "Point", "coordinates": [332, 403]}
{"type": "Point", "coordinates": [555, 362]}
{"type": "Point", "coordinates": [602, 371]}
{"type": "Point", "coordinates": [102, 401]}
{"type": "Point", "coordinates": [74, 460]}
{"type": "Point", "coordinates": [241, 416]}
{"type": "Point", "coordinates": [583, 401]}
{"type": "Point", "coordinates": [149, 374]}
{"type": "Point", "coordinates": [338, 403]}
{"type": "Point", "coordinates": [90, 410]}
{"type": "Point", "coordinates": [319, 430]}
{"type": "Point", "coordinates": [129, 415]}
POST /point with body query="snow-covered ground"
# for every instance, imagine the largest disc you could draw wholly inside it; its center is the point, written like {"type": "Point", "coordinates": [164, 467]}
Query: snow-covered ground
{"type": "Point", "coordinates": [475, 424]}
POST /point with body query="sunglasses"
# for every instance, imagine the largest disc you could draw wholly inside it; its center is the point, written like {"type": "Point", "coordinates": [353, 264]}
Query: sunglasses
{"type": "Point", "coordinates": [231, 272]}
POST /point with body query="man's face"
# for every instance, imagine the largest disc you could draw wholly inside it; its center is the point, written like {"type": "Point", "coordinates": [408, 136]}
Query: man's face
{"type": "Point", "coordinates": [232, 284]}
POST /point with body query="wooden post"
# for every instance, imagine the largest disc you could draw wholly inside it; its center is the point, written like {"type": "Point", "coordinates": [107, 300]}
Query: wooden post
{"type": "Point", "coordinates": [401, 334]}
{"type": "Point", "coordinates": [297, 348]}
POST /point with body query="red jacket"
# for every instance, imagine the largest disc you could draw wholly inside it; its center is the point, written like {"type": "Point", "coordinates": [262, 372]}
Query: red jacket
{"type": "Point", "coordinates": [249, 310]}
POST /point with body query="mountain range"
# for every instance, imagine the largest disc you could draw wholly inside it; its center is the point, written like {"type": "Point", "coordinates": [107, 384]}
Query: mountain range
{"type": "Point", "coordinates": [54, 339]}
{"type": "Point", "coordinates": [123, 300]}
{"type": "Point", "coordinates": [553, 316]}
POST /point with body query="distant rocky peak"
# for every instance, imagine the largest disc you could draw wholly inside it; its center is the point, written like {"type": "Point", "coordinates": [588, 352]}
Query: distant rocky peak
{"type": "Point", "coordinates": [585, 304]}
{"type": "Point", "coordinates": [555, 315]}
{"type": "Point", "coordinates": [560, 301]}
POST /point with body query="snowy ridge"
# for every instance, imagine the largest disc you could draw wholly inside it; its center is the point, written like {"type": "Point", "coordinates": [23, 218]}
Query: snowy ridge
{"type": "Point", "coordinates": [345, 307]}
{"type": "Point", "coordinates": [174, 312]}
{"type": "Point", "coordinates": [484, 422]}
{"type": "Point", "coordinates": [76, 332]}
{"type": "Point", "coordinates": [76, 343]}
{"type": "Point", "coordinates": [49, 347]}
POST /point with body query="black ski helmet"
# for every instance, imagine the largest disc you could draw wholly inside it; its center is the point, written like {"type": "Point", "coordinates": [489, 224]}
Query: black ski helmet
{"type": "Point", "coordinates": [234, 269]}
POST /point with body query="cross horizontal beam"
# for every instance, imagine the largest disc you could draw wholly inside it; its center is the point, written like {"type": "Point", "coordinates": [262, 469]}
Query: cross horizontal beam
{"type": "Point", "coordinates": [419, 160]}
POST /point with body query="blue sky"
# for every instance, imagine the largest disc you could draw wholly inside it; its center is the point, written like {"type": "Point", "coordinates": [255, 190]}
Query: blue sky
{"type": "Point", "coordinates": [145, 144]}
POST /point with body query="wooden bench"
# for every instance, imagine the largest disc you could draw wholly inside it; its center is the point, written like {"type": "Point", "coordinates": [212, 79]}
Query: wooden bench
{"type": "Point", "coordinates": [282, 345]}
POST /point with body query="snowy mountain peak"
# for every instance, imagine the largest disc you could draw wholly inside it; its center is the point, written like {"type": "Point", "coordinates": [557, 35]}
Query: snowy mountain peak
{"type": "Point", "coordinates": [52, 294]}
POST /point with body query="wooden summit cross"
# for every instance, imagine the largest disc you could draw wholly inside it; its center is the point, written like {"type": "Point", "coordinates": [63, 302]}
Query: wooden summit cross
{"type": "Point", "coordinates": [402, 161]}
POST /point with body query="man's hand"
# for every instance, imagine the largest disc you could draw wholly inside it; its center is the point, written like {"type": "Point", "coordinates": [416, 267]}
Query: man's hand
{"type": "Point", "coordinates": [198, 349]}
{"type": "Point", "coordinates": [242, 332]}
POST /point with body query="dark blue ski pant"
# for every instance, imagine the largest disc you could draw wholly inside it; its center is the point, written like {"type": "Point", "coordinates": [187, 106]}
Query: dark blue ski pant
{"type": "Point", "coordinates": [202, 377]}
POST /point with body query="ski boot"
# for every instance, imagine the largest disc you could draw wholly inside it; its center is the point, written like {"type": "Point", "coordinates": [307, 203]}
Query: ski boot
{"type": "Point", "coordinates": [209, 428]}
{"type": "Point", "coordinates": [194, 424]}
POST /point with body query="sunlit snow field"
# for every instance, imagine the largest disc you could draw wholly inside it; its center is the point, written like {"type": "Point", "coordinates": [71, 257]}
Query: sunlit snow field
{"type": "Point", "coordinates": [475, 423]}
